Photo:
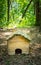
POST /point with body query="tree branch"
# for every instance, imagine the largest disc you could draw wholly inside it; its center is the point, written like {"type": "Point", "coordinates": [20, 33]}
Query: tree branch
{"type": "Point", "coordinates": [23, 14]}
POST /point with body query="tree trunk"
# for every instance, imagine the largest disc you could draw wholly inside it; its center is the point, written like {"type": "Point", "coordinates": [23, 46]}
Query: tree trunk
{"type": "Point", "coordinates": [8, 8]}
{"type": "Point", "coordinates": [38, 13]}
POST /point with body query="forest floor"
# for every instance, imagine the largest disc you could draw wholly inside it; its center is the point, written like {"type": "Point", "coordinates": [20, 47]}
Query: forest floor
{"type": "Point", "coordinates": [21, 60]}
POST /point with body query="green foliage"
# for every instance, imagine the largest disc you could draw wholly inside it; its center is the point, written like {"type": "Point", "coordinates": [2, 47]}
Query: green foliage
{"type": "Point", "coordinates": [2, 13]}
{"type": "Point", "coordinates": [17, 8]}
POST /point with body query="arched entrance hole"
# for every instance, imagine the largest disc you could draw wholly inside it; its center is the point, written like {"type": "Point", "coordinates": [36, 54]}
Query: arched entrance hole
{"type": "Point", "coordinates": [18, 51]}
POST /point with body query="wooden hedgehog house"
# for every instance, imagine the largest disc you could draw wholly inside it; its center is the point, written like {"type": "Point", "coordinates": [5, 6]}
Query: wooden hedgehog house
{"type": "Point", "coordinates": [18, 43]}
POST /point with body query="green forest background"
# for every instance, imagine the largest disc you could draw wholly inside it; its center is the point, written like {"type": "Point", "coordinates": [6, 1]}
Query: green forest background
{"type": "Point", "coordinates": [19, 13]}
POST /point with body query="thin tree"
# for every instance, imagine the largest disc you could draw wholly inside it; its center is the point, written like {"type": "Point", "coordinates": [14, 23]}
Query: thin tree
{"type": "Point", "coordinates": [8, 9]}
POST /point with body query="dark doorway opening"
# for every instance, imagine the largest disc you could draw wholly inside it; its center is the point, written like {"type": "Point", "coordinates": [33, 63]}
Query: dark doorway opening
{"type": "Point", "coordinates": [18, 51]}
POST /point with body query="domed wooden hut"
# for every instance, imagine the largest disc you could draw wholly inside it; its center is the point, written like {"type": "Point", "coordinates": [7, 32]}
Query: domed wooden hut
{"type": "Point", "coordinates": [18, 43]}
